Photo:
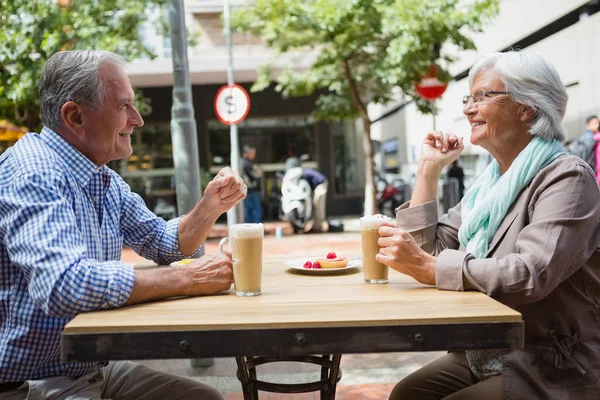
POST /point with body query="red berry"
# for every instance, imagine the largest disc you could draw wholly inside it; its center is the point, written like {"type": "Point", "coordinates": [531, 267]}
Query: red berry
{"type": "Point", "coordinates": [308, 264]}
{"type": "Point", "coordinates": [331, 255]}
{"type": "Point", "coordinates": [316, 265]}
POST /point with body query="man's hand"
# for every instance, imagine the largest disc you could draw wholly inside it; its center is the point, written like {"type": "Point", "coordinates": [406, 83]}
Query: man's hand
{"type": "Point", "coordinates": [400, 252]}
{"type": "Point", "coordinates": [221, 194]}
{"type": "Point", "coordinates": [224, 191]}
{"type": "Point", "coordinates": [209, 274]}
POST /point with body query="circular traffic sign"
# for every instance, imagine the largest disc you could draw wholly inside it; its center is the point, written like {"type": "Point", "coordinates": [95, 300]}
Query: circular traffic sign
{"type": "Point", "coordinates": [232, 104]}
{"type": "Point", "coordinates": [431, 87]}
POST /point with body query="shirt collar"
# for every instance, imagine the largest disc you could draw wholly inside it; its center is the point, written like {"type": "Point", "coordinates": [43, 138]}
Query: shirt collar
{"type": "Point", "coordinates": [79, 165]}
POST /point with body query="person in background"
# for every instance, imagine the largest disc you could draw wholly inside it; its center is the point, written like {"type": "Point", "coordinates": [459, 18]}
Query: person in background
{"type": "Point", "coordinates": [319, 185]}
{"type": "Point", "coordinates": [526, 233]}
{"type": "Point", "coordinates": [64, 219]}
{"type": "Point", "coordinates": [597, 154]}
{"type": "Point", "coordinates": [252, 176]}
{"type": "Point", "coordinates": [584, 146]}
{"type": "Point", "coordinates": [456, 171]}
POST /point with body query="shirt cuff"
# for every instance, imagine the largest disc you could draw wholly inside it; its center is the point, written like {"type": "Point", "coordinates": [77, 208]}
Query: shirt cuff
{"type": "Point", "coordinates": [449, 270]}
{"type": "Point", "coordinates": [417, 218]}
{"type": "Point", "coordinates": [120, 285]}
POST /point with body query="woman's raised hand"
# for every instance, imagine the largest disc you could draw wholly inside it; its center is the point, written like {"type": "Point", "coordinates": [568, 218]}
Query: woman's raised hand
{"type": "Point", "coordinates": [441, 148]}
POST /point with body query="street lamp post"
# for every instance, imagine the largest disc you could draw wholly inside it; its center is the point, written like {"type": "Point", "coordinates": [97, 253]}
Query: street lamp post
{"type": "Point", "coordinates": [183, 124]}
{"type": "Point", "coordinates": [183, 128]}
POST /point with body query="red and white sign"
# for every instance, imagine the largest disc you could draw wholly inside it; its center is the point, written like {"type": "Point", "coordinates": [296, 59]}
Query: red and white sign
{"type": "Point", "coordinates": [232, 104]}
{"type": "Point", "coordinates": [430, 87]}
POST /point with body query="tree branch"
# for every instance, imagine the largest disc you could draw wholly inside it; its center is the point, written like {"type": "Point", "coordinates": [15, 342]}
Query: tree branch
{"type": "Point", "coordinates": [362, 109]}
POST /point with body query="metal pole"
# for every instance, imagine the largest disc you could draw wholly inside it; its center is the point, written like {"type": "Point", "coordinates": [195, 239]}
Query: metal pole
{"type": "Point", "coordinates": [183, 128]}
{"type": "Point", "coordinates": [235, 214]}
{"type": "Point", "coordinates": [183, 124]}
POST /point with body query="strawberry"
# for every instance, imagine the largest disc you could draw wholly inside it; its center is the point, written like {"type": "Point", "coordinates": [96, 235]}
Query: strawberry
{"type": "Point", "coordinates": [331, 255]}
{"type": "Point", "coordinates": [309, 264]}
{"type": "Point", "coordinates": [316, 265]}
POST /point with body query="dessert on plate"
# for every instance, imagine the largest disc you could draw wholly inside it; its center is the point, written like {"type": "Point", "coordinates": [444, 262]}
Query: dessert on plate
{"type": "Point", "coordinates": [331, 261]}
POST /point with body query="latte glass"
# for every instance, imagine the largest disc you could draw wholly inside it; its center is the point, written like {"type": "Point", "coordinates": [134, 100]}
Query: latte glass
{"type": "Point", "coordinates": [373, 271]}
{"type": "Point", "coordinates": [246, 242]}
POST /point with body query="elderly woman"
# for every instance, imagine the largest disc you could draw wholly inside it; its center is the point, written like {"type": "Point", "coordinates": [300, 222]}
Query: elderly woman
{"type": "Point", "coordinates": [525, 233]}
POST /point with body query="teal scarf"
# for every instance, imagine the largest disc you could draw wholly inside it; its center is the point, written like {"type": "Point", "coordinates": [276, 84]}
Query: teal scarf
{"type": "Point", "coordinates": [487, 201]}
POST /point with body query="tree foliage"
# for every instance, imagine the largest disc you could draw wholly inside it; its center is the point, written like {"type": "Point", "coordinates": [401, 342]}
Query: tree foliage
{"type": "Point", "coordinates": [365, 51]}
{"type": "Point", "coordinates": [384, 44]}
{"type": "Point", "coordinates": [33, 30]}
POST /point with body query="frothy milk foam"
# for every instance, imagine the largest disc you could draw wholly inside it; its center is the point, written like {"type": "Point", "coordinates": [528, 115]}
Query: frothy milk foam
{"type": "Point", "coordinates": [374, 272]}
{"type": "Point", "coordinates": [247, 231]}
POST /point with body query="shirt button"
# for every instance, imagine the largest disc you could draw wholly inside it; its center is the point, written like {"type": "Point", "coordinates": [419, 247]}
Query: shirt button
{"type": "Point", "coordinates": [96, 198]}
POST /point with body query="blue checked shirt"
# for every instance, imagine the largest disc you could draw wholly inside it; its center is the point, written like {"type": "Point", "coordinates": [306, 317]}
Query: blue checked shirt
{"type": "Point", "coordinates": [63, 223]}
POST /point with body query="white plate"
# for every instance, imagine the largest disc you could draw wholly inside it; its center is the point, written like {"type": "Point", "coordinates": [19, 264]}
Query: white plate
{"type": "Point", "coordinates": [298, 265]}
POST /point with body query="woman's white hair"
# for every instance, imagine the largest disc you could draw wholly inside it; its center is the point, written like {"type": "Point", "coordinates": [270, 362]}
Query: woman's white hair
{"type": "Point", "coordinates": [73, 76]}
{"type": "Point", "coordinates": [532, 81]}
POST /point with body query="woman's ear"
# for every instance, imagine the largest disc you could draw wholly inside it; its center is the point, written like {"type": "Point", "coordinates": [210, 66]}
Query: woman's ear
{"type": "Point", "coordinates": [72, 117]}
{"type": "Point", "coordinates": [526, 113]}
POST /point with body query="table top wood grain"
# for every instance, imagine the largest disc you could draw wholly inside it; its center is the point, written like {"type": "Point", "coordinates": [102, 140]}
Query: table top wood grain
{"type": "Point", "coordinates": [292, 299]}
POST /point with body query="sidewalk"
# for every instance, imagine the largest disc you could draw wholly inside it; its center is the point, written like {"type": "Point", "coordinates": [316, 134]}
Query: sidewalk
{"type": "Point", "coordinates": [364, 376]}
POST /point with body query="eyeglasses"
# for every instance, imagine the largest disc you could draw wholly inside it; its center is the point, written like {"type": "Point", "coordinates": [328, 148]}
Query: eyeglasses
{"type": "Point", "coordinates": [479, 95]}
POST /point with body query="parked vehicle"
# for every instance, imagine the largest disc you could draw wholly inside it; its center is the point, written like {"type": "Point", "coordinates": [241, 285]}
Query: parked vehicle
{"type": "Point", "coordinates": [296, 200]}
{"type": "Point", "coordinates": [391, 193]}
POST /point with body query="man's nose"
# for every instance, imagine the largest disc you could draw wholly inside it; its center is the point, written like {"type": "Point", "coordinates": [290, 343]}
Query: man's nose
{"type": "Point", "coordinates": [136, 118]}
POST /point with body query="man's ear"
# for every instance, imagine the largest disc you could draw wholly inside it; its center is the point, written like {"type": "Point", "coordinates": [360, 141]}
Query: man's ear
{"type": "Point", "coordinates": [526, 113]}
{"type": "Point", "coordinates": [72, 117]}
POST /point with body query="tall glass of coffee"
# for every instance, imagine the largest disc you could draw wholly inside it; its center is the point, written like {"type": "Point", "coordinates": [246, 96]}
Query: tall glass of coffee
{"type": "Point", "coordinates": [246, 256]}
{"type": "Point", "coordinates": [373, 271]}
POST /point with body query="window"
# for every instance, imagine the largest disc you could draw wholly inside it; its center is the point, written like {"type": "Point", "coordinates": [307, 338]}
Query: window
{"type": "Point", "coordinates": [348, 159]}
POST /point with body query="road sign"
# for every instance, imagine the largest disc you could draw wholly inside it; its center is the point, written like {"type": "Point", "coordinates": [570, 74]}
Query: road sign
{"type": "Point", "coordinates": [430, 87]}
{"type": "Point", "coordinates": [232, 104]}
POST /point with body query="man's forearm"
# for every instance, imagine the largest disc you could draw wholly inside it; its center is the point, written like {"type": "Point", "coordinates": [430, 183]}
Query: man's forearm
{"type": "Point", "coordinates": [194, 228]}
{"type": "Point", "coordinates": [156, 284]}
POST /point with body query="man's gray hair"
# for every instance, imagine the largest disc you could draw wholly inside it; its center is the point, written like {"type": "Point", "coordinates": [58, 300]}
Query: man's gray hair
{"type": "Point", "coordinates": [532, 81]}
{"type": "Point", "coordinates": [73, 76]}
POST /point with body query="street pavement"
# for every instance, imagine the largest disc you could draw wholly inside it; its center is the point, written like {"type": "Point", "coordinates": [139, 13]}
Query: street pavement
{"type": "Point", "coordinates": [365, 376]}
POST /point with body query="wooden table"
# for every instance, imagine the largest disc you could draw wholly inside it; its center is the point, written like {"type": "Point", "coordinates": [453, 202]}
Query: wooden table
{"type": "Point", "coordinates": [298, 315]}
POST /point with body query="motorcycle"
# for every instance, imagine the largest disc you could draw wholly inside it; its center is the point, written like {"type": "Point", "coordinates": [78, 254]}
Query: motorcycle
{"type": "Point", "coordinates": [297, 200]}
{"type": "Point", "coordinates": [390, 195]}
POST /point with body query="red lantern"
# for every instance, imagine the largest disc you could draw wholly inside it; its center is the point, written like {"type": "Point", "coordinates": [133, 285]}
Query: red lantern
{"type": "Point", "coordinates": [431, 87]}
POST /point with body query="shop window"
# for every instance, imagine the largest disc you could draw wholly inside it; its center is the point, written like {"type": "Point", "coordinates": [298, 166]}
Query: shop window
{"type": "Point", "coordinates": [348, 159]}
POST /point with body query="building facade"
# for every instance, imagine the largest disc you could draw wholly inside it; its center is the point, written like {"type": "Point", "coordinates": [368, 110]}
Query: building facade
{"type": "Point", "coordinates": [564, 32]}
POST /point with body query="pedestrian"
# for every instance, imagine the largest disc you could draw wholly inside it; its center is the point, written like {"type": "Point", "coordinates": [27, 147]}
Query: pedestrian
{"type": "Point", "coordinates": [526, 233]}
{"type": "Point", "coordinates": [252, 176]}
{"type": "Point", "coordinates": [584, 146]}
{"type": "Point", "coordinates": [64, 219]}
{"type": "Point", "coordinates": [456, 171]}
{"type": "Point", "coordinates": [319, 185]}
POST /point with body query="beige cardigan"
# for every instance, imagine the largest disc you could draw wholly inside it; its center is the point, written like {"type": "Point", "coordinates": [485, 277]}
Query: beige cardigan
{"type": "Point", "coordinates": [544, 262]}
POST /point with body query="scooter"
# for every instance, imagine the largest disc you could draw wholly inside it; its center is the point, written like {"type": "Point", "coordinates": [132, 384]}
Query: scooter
{"type": "Point", "coordinates": [296, 200]}
{"type": "Point", "coordinates": [390, 195]}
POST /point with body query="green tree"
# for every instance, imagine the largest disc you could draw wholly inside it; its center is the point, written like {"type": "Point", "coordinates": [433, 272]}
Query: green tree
{"type": "Point", "coordinates": [364, 50]}
{"type": "Point", "coordinates": [33, 30]}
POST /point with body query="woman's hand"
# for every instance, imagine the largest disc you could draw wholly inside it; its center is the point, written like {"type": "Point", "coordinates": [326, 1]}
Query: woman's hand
{"type": "Point", "coordinates": [441, 149]}
{"type": "Point", "coordinates": [400, 252]}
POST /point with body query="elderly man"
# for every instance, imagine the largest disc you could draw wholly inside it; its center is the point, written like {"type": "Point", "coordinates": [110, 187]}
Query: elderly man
{"type": "Point", "coordinates": [64, 217]}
